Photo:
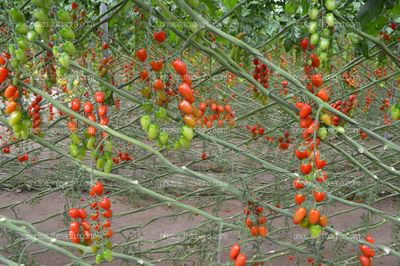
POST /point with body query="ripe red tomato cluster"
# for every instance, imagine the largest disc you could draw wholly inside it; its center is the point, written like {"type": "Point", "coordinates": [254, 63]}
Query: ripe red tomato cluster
{"type": "Point", "coordinates": [255, 129]}
{"type": "Point", "coordinates": [255, 220]}
{"type": "Point", "coordinates": [34, 113]}
{"type": "Point", "coordinates": [123, 157]}
{"type": "Point", "coordinates": [101, 209]}
{"type": "Point", "coordinates": [367, 252]}
{"type": "Point", "coordinates": [235, 255]}
{"type": "Point", "coordinates": [261, 73]}
{"type": "Point", "coordinates": [211, 111]}
{"type": "Point", "coordinates": [346, 107]}
{"type": "Point", "coordinates": [23, 158]}
{"type": "Point", "coordinates": [79, 228]}
{"type": "Point", "coordinates": [6, 150]}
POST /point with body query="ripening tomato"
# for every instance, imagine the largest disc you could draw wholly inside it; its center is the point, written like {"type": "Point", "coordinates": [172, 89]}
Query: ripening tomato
{"type": "Point", "coordinates": [73, 213]}
{"type": "Point", "coordinates": [240, 260]}
{"type": "Point", "coordinates": [323, 221]}
{"type": "Point", "coordinates": [10, 91]}
{"type": "Point", "coordinates": [313, 216]}
{"type": "Point", "coordinates": [88, 107]}
{"type": "Point", "coordinates": [235, 250]}
{"type": "Point", "coordinates": [262, 231]}
{"type": "Point", "coordinates": [185, 90]}
{"type": "Point", "coordinates": [323, 95]}
{"type": "Point", "coordinates": [99, 97]}
{"type": "Point", "coordinates": [299, 215]}
{"type": "Point", "coordinates": [11, 107]}
{"type": "Point", "coordinates": [2, 60]}
{"type": "Point", "coordinates": [74, 5]}
{"type": "Point", "coordinates": [185, 107]}
{"type": "Point", "coordinates": [75, 105]}
{"type": "Point", "coordinates": [254, 230]}
{"type": "Point", "coordinates": [179, 67]}
{"type": "Point", "coordinates": [189, 120]}
{"type": "Point", "coordinates": [141, 54]}
{"type": "Point", "coordinates": [249, 222]}
{"type": "Point", "coordinates": [369, 239]}
{"type": "Point", "coordinates": [3, 74]}
{"type": "Point", "coordinates": [109, 233]}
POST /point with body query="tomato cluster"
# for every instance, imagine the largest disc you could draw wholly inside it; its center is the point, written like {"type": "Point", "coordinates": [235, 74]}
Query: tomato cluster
{"type": "Point", "coordinates": [211, 111]}
{"type": "Point", "coordinates": [255, 129]}
{"type": "Point", "coordinates": [97, 232]}
{"type": "Point", "coordinates": [367, 252]}
{"type": "Point", "coordinates": [235, 255]}
{"type": "Point", "coordinates": [34, 113]}
{"type": "Point", "coordinates": [255, 220]}
{"type": "Point", "coordinates": [261, 73]}
{"type": "Point", "coordinates": [23, 158]}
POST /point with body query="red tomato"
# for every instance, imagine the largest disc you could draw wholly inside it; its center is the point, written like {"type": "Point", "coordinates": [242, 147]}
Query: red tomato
{"type": "Point", "coordinates": [365, 261]}
{"type": "Point", "coordinates": [316, 80]}
{"type": "Point", "coordinates": [235, 250]}
{"type": "Point", "coordinates": [305, 169]}
{"type": "Point", "coordinates": [299, 198]}
{"type": "Point", "coordinates": [179, 67]}
{"type": "Point", "coordinates": [98, 188]}
{"type": "Point", "coordinates": [75, 104]}
{"type": "Point", "coordinates": [74, 227]}
{"type": "Point", "coordinates": [313, 216]}
{"type": "Point", "coordinates": [185, 90]}
{"type": "Point", "coordinates": [158, 84]}
{"type": "Point", "coordinates": [73, 213]}
{"type": "Point", "coordinates": [3, 74]}
{"type": "Point", "coordinates": [185, 107]}
{"type": "Point", "coordinates": [159, 36]}
{"type": "Point", "coordinates": [10, 91]}
{"type": "Point", "coordinates": [105, 203]}
{"type": "Point", "coordinates": [82, 213]}
{"type": "Point", "coordinates": [240, 260]}
{"type": "Point", "coordinates": [299, 215]}
{"type": "Point", "coordinates": [99, 97]}
{"type": "Point", "coordinates": [88, 107]}
{"type": "Point", "coordinates": [102, 110]}
{"type": "Point", "coordinates": [156, 65]}
{"type": "Point", "coordinates": [141, 54]}
{"type": "Point", "coordinates": [91, 131]}
{"type": "Point", "coordinates": [144, 75]}
{"type": "Point", "coordinates": [319, 196]}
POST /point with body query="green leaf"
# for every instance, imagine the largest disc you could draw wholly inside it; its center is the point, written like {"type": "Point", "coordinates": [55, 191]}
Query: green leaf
{"type": "Point", "coordinates": [363, 46]}
{"type": "Point", "coordinates": [305, 6]}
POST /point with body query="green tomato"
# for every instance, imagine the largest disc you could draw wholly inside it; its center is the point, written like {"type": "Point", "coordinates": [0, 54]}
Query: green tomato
{"type": "Point", "coordinates": [152, 134]}
{"type": "Point", "coordinates": [27, 124]}
{"type": "Point", "coordinates": [39, 28]}
{"type": "Point", "coordinates": [108, 146]}
{"type": "Point", "coordinates": [340, 130]}
{"type": "Point", "coordinates": [147, 107]}
{"type": "Point", "coordinates": [14, 63]}
{"type": "Point", "coordinates": [99, 258]}
{"type": "Point", "coordinates": [312, 27]}
{"type": "Point", "coordinates": [322, 133]}
{"type": "Point", "coordinates": [161, 113]}
{"type": "Point", "coordinates": [187, 132]}
{"type": "Point", "coordinates": [176, 145]}
{"type": "Point", "coordinates": [323, 57]}
{"type": "Point", "coordinates": [330, 20]}
{"type": "Point", "coordinates": [40, 15]}
{"type": "Point", "coordinates": [23, 43]}
{"type": "Point", "coordinates": [64, 60]}
{"type": "Point", "coordinates": [15, 118]}
{"type": "Point", "coordinates": [21, 56]}
{"type": "Point", "coordinates": [395, 112]}
{"type": "Point", "coordinates": [17, 128]}
{"type": "Point", "coordinates": [45, 4]}
{"type": "Point", "coordinates": [69, 48]}
{"type": "Point", "coordinates": [184, 142]}
{"type": "Point", "coordinates": [81, 153]}
{"type": "Point", "coordinates": [67, 33]}
{"type": "Point", "coordinates": [24, 134]}
{"type": "Point", "coordinates": [324, 43]}
{"type": "Point", "coordinates": [163, 138]}
{"type": "Point", "coordinates": [314, 38]}
{"type": "Point", "coordinates": [75, 138]}
{"type": "Point", "coordinates": [21, 28]}
{"type": "Point", "coordinates": [100, 163]}
{"type": "Point", "coordinates": [313, 13]}
{"type": "Point", "coordinates": [107, 255]}
{"type": "Point", "coordinates": [32, 36]}
{"type": "Point", "coordinates": [108, 166]}
{"type": "Point", "coordinates": [330, 4]}
{"type": "Point", "coordinates": [16, 15]}
{"type": "Point", "coordinates": [315, 230]}
{"type": "Point", "coordinates": [73, 150]}
{"type": "Point", "coordinates": [63, 16]}
{"type": "Point", "coordinates": [145, 121]}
